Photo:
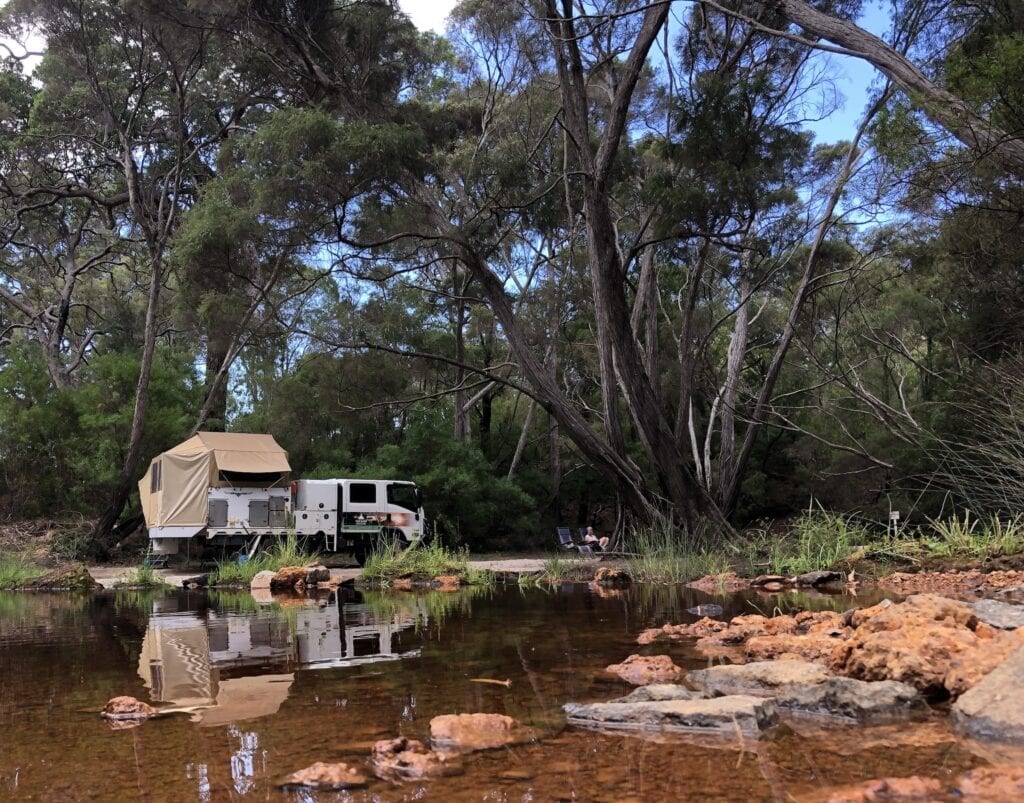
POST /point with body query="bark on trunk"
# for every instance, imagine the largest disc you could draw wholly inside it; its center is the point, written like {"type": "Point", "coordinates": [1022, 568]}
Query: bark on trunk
{"type": "Point", "coordinates": [731, 386]}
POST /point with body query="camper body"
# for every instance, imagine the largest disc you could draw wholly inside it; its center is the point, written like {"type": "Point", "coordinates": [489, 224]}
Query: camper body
{"type": "Point", "coordinates": [232, 490]}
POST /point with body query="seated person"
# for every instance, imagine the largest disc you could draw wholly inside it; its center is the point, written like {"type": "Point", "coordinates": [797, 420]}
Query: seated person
{"type": "Point", "coordinates": [591, 540]}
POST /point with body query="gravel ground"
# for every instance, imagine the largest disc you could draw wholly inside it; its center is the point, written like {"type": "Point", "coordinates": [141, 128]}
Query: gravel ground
{"type": "Point", "coordinates": [108, 575]}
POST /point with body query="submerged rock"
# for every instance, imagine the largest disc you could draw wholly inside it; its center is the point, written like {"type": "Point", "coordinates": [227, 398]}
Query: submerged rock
{"type": "Point", "coordinates": [126, 708]}
{"type": "Point", "coordinates": [999, 783]}
{"type": "Point", "coordinates": [326, 776]}
{"type": "Point", "coordinates": [881, 701]}
{"type": "Point", "coordinates": [761, 679]}
{"type": "Point", "coordinates": [708, 609]}
{"type": "Point", "coordinates": [718, 583]}
{"type": "Point", "coordinates": [1003, 615]}
{"type": "Point", "coordinates": [642, 670]}
{"type": "Point", "coordinates": [700, 629]}
{"type": "Point", "coordinates": [735, 715]}
{"type": "Point", "coordinates": [470, 732]}
{"type": "Point", "coordinates": [878, 789]}
{"type": "Point", "coordinates": [659, 691]}
{"type": "Point", "coordinates": [409, 759]}
{"type": "Point", "coordinates": [994, 709]}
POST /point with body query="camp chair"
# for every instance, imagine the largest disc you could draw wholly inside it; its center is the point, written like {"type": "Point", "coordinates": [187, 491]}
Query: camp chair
{"type": "Point", "coordinates": [565, 538]}
{"type": "Point", "coordinates": [600, 553]}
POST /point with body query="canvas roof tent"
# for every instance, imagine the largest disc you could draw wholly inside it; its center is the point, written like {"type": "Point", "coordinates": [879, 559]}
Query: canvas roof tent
{"type": "Point", "coordinates": [174, 488]}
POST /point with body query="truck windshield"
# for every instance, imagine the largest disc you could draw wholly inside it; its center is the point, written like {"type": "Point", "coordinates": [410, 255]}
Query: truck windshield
{"type": "Point", "coordinates": [403, 496]}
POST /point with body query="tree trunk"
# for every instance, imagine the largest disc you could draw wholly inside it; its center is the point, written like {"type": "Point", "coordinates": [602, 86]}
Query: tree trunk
{"type": "Point", "coordinates": [730, 388]}
{"type": "Point", "coordinates": [218, 349]}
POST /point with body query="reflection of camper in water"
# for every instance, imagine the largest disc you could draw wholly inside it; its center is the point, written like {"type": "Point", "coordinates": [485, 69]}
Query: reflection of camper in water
{"type": "Point", "coordinates": [200, 658]}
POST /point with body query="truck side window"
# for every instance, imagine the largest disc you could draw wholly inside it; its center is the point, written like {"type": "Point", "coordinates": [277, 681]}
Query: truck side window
{"type": "Point", "coordinates": [403, 496]}
{"type": "Point", "coordinates": [362, 493]}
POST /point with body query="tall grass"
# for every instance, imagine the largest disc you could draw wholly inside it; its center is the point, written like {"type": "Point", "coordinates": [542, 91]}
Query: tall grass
{"type": "Point", "coordinates": [285, 552]}
{"type": "Point", "coordinates": [664, 554]}
{"type": "Point", "coordinates": [818, 539]}
{"type": "Point", "coordinates": [142, 577]}
{"type": "Point", "coordinates": [967, 537]}
{"type": "Point", "coordinates": [421, 562]}
{"type": "Point", "coordinates": [16, 570]}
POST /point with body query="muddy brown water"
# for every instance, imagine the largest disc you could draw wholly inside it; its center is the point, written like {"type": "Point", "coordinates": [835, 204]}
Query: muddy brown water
{"type": "Point", "coordinates": [275, 688]}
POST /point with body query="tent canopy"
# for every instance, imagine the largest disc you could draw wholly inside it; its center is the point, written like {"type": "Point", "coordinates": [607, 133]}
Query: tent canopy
{"type": "Point", "coordinates": [174, 489]}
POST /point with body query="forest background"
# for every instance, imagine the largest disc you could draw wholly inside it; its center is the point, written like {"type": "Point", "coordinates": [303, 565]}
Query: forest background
{"type": "Point", "coordinates": [570, 263]}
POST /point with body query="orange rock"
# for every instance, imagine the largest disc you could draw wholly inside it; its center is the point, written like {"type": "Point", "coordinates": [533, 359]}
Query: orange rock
{"type": "Point", "coordinates": [998, 783]}
{"type": "Point", "coordinates": [470, 732]}
{"type": "Point", "coordinates": [643, 670]}
{"type": "Point", "coordinates": [447, 582]}
{"type": "Point", "coordinates": [288, 579]}
{"type": "Point", "coordinates": [912, 788]}
{"type": "Point", "coordinates": [699, 629]}
{"type": "Point", "coordinates": [606, 574]}
{"type": "Point", "coordinates": [326, 776]}
{"type": "Point", "coordinates": [817, 647]}
{"type": "Point", "coordinates": [402, 584]}
{"type": "Point", "coordinates": [126, 707]}
{"type": "Point", "coordinates": [971, 665]}
{"type": "Point", "coordinates": [404, 758]}
{"type": "Point", "coordinates": [914, 642]}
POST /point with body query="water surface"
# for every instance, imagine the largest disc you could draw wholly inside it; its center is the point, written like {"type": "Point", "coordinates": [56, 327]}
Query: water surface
{"type": "Point", "coordinates": [270, 689]}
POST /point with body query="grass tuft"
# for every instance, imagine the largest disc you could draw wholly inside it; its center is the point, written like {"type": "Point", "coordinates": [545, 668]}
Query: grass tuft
{"type": "Point", "coordinates": [422, 562]}
{"type": "Point", "coordinates": [665, 554]}
{"type": "Point", "coordinates": [16, 570]}
{"type": "Point", "coordinates": [142, 577]}
{"type": "Point", "coordinates": [283, 553]}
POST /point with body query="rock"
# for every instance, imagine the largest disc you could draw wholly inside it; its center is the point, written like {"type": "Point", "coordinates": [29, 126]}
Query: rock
{"type": "Point", "coordinates": [718, 583]}
{"type": "Point", "coordinates": [968, 668]}
{"type": "Point", "coordinates": [642, 670]}
{"type": "Point", "coordinates": [700, 629]}
{"type": "Point", "coordinates": [610, 576]}
{"type": "Point", "coordinates": [769, 579]}
{"type": "Point", "coordinates": [759, 679]}
{"type": "Point", "coordinates": [709, 609]}
{"type": "Point", "coordinates": [199, 581]}
{"type": "Point", "coordinates": [68, 578]}
{"type": "Point", "coordinates": [817, 647]}
{"type": "Point", "coordinates": [402, 584]}
{"type": "Point", "coordinates": [878, 789]}
{"type": "Point", "coordinates": [912, 642]}
{"type": "Point", "coordinates": [317, 573]}
{"type": "Point", "coordinates": [999, 614]}
{"type": "Point", "coordinates": [467, 733]}
{"type": "Point", "coordinates": [994, 709]}
{"type": "Point", "coordinates": [882, 701]}
{"type": "Point", "coordinates": [659, 691]}
{"type": "Point", "coordinates": [447, 582]}
{"type": "Point", "coordinates": [817, 578]}
{"type": "Point", "coordinates": [735, 715]}
{"type": "Point", "coordinates": [326, 776]}
{"type": "Point", "coordinates": [125, 707]}
{"type": "Point", "coordinates": [407, 759]}
{"type": "Point", "coordinates": [859, 616]}
{"type": "Point", "coordinates": [999, 783]}
{"type": "Point", "coordinates": [290, 578]}
{"type": "Point", "coordinates": [261, 581]}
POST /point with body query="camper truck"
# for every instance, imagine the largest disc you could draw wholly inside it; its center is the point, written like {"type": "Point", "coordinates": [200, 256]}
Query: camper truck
{"type": "Point", "coordinates": [225, 491]}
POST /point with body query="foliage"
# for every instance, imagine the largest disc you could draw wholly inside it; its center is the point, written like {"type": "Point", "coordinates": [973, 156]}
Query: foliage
{"type": "Point", "coordinates": [661, 555]}
{"type": "Point", "coordinates": [421, 562]}
{"type": "Point", "coordinates": [284, 552]}
{"type": "Point", "coordinates": [16, 570]}
{"type": "Point", "coordinates": [140, 577]}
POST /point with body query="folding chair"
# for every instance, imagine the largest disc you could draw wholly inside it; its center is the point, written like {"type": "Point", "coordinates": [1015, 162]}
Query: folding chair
{"type": "Point", "coordinates": [565, 538]}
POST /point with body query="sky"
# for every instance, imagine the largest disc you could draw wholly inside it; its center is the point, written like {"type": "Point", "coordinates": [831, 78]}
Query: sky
{"type": "Point", "coordinates": [853, 77]}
